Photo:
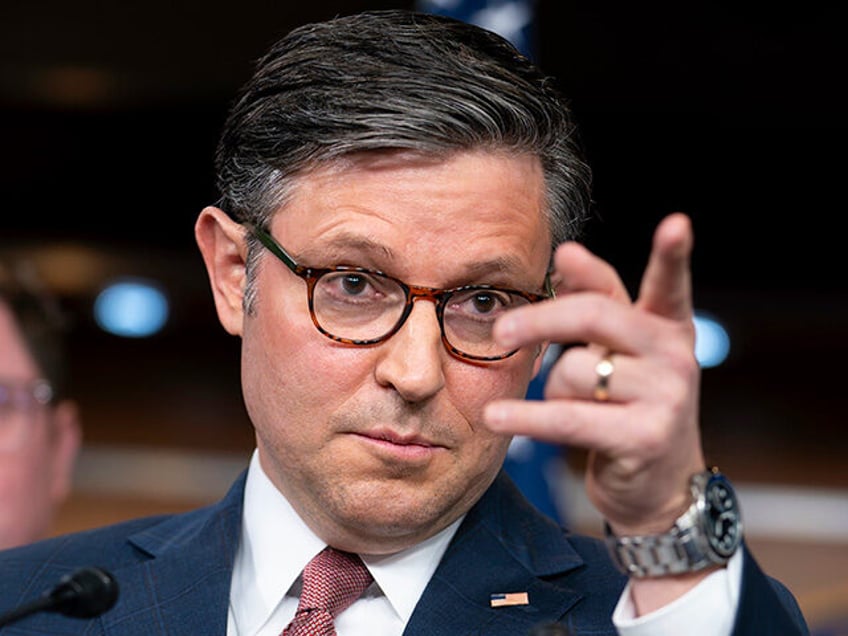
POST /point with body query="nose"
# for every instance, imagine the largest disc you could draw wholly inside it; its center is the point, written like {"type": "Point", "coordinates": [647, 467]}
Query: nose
{"type": "Point", "coordinates": [411, 361]}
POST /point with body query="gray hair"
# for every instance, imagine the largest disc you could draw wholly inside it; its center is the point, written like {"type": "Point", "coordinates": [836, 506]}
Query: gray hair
{"type": "Point", "coordinates": [394, 80]}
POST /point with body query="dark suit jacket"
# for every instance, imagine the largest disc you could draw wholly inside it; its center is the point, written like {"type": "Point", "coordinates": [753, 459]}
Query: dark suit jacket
{"type": "Point", "coordinates": [174, 576]}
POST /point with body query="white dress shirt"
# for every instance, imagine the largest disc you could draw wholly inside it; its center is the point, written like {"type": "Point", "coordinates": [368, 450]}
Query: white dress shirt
{"type": "Point", "coordinates": [708, 609]}
{"type": "Point", "coordinates": [276, 545]}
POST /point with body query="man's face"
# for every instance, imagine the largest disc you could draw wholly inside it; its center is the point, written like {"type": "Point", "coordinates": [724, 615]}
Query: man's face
{"type": "Point", "coordinates": [37, 448]}
{"type": "Point", "coordinates": [380, 447]}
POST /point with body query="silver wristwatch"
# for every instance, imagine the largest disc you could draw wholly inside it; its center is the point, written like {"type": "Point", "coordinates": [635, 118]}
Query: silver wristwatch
{"type": "Point", "coordinates": [708, 533]}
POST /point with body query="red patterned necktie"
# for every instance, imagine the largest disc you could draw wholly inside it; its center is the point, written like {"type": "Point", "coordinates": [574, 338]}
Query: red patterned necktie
{"type": "Point", "coordinates": [331, 582]}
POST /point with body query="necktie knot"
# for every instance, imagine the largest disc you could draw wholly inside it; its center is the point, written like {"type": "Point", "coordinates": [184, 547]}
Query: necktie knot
{"type": "Point", "coordinates": [332, 581]}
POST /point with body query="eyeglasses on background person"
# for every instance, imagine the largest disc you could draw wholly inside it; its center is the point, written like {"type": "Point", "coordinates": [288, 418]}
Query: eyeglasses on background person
{"type": "Point", "coordinates": [364, 307]}
{"type": "Point", "coordinates": [19, 401]}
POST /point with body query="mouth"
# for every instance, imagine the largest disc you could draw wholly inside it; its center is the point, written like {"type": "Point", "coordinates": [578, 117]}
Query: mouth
{"type": "Point", "coordinates": [391, 445]}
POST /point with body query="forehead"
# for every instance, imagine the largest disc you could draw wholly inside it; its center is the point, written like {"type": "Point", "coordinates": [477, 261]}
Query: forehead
{"type": "Point", "coordinates": [400, 208]}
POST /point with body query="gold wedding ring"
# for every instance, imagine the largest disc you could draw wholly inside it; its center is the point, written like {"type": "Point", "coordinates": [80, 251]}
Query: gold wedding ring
{"type": "Point", "coordinates": [603, 370]}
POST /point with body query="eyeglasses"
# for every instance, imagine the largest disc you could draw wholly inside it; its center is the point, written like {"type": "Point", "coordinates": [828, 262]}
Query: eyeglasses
{"type": "Point", "coordinates": [363, 307]}
{"type": "Point", "coordinates": [20, 398]}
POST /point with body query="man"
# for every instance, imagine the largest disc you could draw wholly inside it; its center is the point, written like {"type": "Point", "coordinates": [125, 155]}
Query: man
{"type": "Point", "coordinates": [39, 430]}
{"type": "Point", "coordinates": [393, 186]}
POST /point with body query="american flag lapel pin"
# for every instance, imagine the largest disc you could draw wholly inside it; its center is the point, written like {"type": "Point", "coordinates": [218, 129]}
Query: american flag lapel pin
{"type": "Point", "coordinates": [508, 599]}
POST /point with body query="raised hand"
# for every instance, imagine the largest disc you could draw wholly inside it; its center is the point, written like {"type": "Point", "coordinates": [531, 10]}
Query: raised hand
{"type": "Point", "coordinates": [643, 438]}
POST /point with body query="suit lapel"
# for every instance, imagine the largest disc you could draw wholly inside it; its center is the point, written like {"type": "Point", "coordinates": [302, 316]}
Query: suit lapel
{"type": "Point", "coordinates": [766, 606]}
{"type": "Point", "coordinates": [503, 546]}
{"type": "Point", "coordinates": [156, 597]}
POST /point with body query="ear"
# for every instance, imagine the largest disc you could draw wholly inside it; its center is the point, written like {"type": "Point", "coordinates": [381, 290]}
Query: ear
{"type": "Point", "coordinates": [221, 242]}
{"type": "Point", "coordinates": [66, 437]}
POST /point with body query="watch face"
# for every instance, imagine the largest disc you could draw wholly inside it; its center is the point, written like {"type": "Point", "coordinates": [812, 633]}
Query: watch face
{"type": "Point", "coordinates": [724, 528]}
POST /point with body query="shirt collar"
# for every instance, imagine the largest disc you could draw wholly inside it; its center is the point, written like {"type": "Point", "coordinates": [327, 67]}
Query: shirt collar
{"type": "Point", "coordinates": [276, 545]}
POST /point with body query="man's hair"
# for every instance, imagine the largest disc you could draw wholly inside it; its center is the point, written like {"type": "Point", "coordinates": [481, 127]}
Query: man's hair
{"type": "Point", "coordinates": [383, 80]}
{"type": "Point", "coordinates": [39, 317]}
{"type": "Point", "coordinates": [394, 80]}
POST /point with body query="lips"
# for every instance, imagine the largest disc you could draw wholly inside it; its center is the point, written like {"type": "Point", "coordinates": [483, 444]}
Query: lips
{"type": "Point", "coordinates": [392, 446]}
{"type": "Point", "coordinates": [393, 437]}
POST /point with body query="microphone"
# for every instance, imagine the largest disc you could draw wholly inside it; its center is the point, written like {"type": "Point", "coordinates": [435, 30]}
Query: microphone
{"type": "Point", "coordinates": [85, 593]}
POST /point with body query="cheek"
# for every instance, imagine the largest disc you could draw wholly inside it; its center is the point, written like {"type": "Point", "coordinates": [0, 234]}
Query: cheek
{"type": "Point", "coordinates": [293, 375]}
{"type": "Point", "coordinates": [24, 483]}
{"type": "Point", "coordinates": [26, 508]}
{"type": "Point", "coordinates": [472, 387]}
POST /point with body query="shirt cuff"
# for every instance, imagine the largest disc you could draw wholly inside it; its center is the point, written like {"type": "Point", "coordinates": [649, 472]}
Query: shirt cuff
{"type": "Point", "coordinates": [708, 609]}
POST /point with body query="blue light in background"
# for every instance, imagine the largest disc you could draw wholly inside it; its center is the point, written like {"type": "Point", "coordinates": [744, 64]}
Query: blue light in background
{"type": "Point", "coordinates": [131, 308]}
{"type": "Point", "coordinates": [712, 343]}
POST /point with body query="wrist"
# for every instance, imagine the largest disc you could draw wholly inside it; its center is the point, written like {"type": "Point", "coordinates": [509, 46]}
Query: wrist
{"type": "Point", "coordinates": [704, 536]}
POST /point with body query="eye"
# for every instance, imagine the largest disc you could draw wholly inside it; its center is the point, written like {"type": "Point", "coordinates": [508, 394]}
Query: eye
{"type": "Point", "coordinates": [484, 303]}
{"type": "Point", "coordinates": [358, 287]}
{"type": "Point", "coordinates": [348, 286]}
{"type": "Point", "coordinates": [353, 284]}
{"type": "Point", "coordinates": [481, 302]}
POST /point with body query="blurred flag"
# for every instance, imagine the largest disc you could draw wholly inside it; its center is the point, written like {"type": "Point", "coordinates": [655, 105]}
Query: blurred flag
{"type": "Point", "coordinates": [512, 19]}
{"type": "Point", "coordinates": [537, 467]}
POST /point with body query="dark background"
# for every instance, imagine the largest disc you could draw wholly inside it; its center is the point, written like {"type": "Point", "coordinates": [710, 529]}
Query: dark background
{"type": "Point", "coordinates": [109, 114]}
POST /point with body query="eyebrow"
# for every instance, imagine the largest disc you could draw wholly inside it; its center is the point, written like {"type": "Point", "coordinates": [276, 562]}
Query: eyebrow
{"type": "Point", "coordinates": [499, 270]}
{"type": "Point", "coordinates": [503, 267]}
{"type": "Point", "coordinates": [341, 245]}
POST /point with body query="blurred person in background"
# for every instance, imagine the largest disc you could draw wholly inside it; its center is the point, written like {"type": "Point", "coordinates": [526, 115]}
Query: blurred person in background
{"type": "Point", "coordinates": [39, 428]}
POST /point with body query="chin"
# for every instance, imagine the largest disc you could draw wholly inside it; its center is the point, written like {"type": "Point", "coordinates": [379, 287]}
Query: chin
{"type": "Point", "coordinates": [389, 514]}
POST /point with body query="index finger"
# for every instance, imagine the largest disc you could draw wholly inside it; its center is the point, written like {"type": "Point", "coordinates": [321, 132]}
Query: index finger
{"type": "Point", "coordinates": [578, 269]}
{"type": "Point", "coordinates": [666, 287]}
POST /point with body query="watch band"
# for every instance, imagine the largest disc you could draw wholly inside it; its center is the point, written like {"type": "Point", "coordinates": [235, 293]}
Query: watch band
{"type": "Point", "coordinates": [653, 555]}
{"type": "Point", "coordinates": [686, 547]}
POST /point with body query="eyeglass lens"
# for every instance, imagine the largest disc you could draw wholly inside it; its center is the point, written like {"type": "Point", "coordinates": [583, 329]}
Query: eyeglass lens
{"type": "Point", "coordinates": [18, 399]}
